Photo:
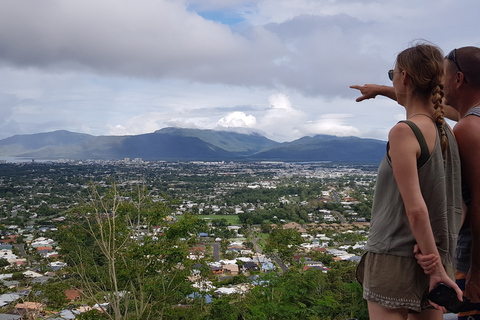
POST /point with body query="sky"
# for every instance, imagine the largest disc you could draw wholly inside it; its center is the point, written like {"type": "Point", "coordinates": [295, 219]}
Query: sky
{"type": "Point", "coordinates": [280, 68]}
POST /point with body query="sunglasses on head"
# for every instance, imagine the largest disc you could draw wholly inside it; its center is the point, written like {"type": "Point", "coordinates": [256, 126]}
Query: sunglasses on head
{"type": "Point", "coordinates": [453, 56]}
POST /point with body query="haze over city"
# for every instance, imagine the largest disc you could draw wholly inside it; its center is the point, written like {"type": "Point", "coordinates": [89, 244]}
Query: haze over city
{"type": "Point", "coordinates": [280, 68]}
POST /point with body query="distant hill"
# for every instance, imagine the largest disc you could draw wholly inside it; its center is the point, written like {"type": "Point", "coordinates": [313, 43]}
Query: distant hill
{"type": "Point", "coordinates": [240, 144]}
{"type": "Point", "coordinates": [51, 144]}
{"type": "Point", "coordinates": [326, 148]}
{"type": "Point", "coordinates": [172, 144]}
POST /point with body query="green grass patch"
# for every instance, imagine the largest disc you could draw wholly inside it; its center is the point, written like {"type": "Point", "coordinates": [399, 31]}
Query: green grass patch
{"type": "Point", "coordinates": [262, 238]}
{"type": "Point", "coordinates": [231, 218]}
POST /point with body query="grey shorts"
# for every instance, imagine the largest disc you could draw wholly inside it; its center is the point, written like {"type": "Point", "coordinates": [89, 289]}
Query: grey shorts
{"type": "Point", "coordinates": [393, 281]}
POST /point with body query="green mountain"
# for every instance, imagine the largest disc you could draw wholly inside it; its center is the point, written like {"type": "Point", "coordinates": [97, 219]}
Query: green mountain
{"type": "Point", "coordinates": [190, 144]}
{"type": "Point", "coordinates": [52, 144]}
{"type": "Point", "coordinates": [326, 148]}
{"type": "Point", "coordinates": [240, 144]}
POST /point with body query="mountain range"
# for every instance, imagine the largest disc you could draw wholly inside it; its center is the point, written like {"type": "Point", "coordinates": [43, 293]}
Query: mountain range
{"type": "Point", "coordinates": [179, 144]}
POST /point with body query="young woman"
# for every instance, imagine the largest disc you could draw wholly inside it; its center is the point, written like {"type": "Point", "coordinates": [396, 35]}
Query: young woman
{"type": "Point", "coordinates": [417, 197]}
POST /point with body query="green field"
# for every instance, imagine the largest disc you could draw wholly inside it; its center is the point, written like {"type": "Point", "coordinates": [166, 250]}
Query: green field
{"type": "Point", "coordinates": [231, 218]}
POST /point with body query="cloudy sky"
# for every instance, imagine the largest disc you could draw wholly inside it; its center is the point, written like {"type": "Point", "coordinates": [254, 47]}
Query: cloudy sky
{"type": "Point", "coordinates": [278, 67]}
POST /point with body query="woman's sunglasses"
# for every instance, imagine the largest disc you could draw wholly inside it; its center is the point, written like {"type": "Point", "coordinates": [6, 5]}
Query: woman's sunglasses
{"type": "Point", "coordinates": [390, 74]}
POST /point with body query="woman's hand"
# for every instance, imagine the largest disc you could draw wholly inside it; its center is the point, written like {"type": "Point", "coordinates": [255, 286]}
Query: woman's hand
{"type": "Point", "coordinates": [427, 262]}
{"type": "Point", "coordinates": [431, 265]}
{"type": "Point", "coordinates": [368, 91]}
{"type": "Point", "coordinates": [439, 277]}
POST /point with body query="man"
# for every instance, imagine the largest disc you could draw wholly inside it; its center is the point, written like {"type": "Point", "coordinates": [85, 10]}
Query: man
{"type": "Point", "coordinates": [462, 93]}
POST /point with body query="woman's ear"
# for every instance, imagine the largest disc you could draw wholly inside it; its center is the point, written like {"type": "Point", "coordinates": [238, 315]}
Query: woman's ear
{"type": "Point", "coordinates": [405, 77]}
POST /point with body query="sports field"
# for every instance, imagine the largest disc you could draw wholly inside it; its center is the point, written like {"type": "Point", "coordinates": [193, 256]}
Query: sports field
{"type": "Point", "coordinates": [231, 218]}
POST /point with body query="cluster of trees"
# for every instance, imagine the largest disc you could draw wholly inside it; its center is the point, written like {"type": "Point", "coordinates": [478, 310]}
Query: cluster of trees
{"type": "Point", "coordinates": [287, 212]}
{"type": "Point", "coordinates": [274, 215]}
{"type": "Point", "coordinates": [113, 259]}
{"type": "Point", "coordinates": [295, 295]}
{"type": "Point", "coordinates": [264, 195]}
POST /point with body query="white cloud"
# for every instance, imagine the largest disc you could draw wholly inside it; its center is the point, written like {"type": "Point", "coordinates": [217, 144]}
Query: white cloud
{"type": "Point", "coordinates": [332, 124]}
{"type": "Point", "coordinates": [281, 121]}
{"type": "Point", "coordinates": [280, 101]}
{"type": "Point", "coordinates": [119, 130]}
{"type": "Point", "coordinates": [144, 123]}
{"type": "Point", "coordinates": [238, 119]}
{"type": "Point", "coordinates": [189, 122]}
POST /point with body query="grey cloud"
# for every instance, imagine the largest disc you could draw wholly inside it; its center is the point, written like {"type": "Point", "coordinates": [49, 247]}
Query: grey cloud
{"type": "Point", "coordinates": [160, 39]}
{"type": "Point", "coordinates": [7, 103]}
{"type": "Point", "coordinates": [155, 39]}
{"type": "Point", "coordinates": [326, 53]}
{"type": "Point", "coordinates": [9, 126]}
{"type": "Point", "coordinates": [304, 25]}
{"type": "Point", "coordinates": [318, 55]}
{"type": "Point", "coordinates": [227, 109]}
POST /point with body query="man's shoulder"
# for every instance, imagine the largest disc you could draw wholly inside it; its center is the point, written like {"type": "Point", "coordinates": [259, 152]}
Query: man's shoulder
{"type": "Point", "coordinates": [467, 134]}
{"type": "Point", "coordinates": [468, 124]}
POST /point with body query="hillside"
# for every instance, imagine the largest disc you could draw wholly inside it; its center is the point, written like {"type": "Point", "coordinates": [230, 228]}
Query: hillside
{"type": "Point", "coordinates": [326, 148]}
{"type": "Point", "coordinates": [171, 144]}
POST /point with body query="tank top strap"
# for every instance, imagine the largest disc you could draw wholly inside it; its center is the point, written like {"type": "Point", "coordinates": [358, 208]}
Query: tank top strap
{"type": "Point", "coordinates": [474, 111]}
{"type": "Point", "coordinates": [424, 152]}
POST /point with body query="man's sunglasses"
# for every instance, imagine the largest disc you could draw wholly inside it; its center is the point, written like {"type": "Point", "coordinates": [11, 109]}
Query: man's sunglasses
{"type": "Point", "coordinates": [453, 56]}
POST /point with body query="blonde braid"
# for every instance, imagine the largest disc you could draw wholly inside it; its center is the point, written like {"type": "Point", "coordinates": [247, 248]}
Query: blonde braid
{"type": "Point", "coordinates": [424, 64]}
{"type": "Point", "coordinates": [437, 96]}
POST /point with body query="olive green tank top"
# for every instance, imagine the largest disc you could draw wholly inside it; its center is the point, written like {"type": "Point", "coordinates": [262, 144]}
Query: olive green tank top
{"type": "Point", "coordinates": [440, 183]}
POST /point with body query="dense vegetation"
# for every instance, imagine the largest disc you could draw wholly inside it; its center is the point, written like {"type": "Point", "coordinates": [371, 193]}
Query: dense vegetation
{"type": "Point", "coordinates": [143, 276]}
{"type": "Point", "coordinates": [128, 235]}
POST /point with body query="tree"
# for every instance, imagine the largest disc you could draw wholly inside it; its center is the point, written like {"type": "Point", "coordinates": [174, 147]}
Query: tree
{"type": "Point", "coordinates": [220, 223]}
{"type": "Point", "coordinates": [139, 274]}
{"type": "Point", "coordinates": [93, 314]}
{"type": "Point", "coordinates": [55, 294]}
{"type": "Point", "coordinates": [18, 276]}
{"type": "Point", "coordinates": [221, 309]}
{"type": "Point", "coordinates": [265, 227]}
{"type": "Point", "coordinates": [291, 296]}
{"type": "Point", "coordinates": [325, 258]}
{"type": "Point", "coordinates": [283, 242]}
{"type": "Point", "coordinates": [4, 263]}
{"type": "Point", "coordinates": [307, 294]}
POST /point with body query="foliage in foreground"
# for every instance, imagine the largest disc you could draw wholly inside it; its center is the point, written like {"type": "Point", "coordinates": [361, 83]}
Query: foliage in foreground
{"type": "Point", "coordinates": [115, 259]}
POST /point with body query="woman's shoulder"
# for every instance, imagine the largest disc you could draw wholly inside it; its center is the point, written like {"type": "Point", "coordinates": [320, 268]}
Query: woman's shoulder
{"type": "Point", "coordinates": [401, 130]}
{"type": "Point", "coordinates": [407, 136]}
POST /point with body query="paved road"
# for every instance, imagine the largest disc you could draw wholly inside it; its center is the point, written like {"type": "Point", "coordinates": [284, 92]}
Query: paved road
{"type": "Point", "coordinates": [339, 216]}
{"type": "Point", "coordinates": [216, 250]}
{"type": "Point", "coordinates": [256, 247]}
{"type": "Point", "coordinates": [335, 197]}
{"type": "Point", "coordinates": [280, 264]}
{"type": "Point", "coordinates": [21, 249]}
{"type": "Point", "coordinates": [259, 251]}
